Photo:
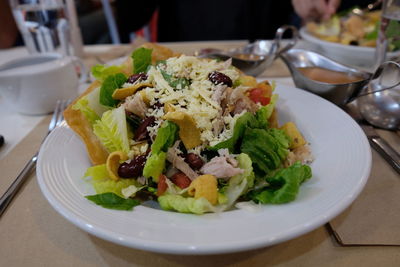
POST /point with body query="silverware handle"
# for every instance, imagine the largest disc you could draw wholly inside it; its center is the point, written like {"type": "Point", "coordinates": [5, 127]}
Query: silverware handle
{"type": "Point", "coordinates": [16, 185]}
{"type": "Point", "coordinates": [386, 151]}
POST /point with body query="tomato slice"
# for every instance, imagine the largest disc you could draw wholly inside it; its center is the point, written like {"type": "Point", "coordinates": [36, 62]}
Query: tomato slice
{"type": "Point", "coordinates": [162, 185]}
{"type": "Point", "coordinates": [258, 95]}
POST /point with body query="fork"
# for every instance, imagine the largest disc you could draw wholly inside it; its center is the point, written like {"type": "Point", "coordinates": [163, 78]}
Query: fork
{"type": "Point", "coordinates": [56, 120]}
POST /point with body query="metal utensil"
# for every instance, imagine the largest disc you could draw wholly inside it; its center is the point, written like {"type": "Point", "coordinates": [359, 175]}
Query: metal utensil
{"type": "Point", "coordinates": [375, 140]}
{"type": "Point", "coordinates": [378, 105]}
{"type": "Point", "coordinates": [340, 94]}
{"type": "Point", "coordinates": [382, 147]}
{"type": "Point", "coordinates": [24, 174]}
{"type": "Point", "coordinates": [255, 57]}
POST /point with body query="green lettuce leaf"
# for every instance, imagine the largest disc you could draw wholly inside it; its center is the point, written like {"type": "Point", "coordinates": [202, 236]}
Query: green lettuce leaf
{"type": "Point", "coordinates": [110, 84]}
{"type": "Point", "coordinates": [90, 106]}
{"type": "Point", "coordinates": [265, 112]}
{"type": "Point", "coordinates": [101, 72]}
{"type": "Point", "coordinates": [240, 183]}
{"type": "Point", "coordinates": [283, 185]}
{"type": "Point", "coordinates": [155, 165]}
{"type": "Point", "coordinates": [244, 121]}
{"type": "Point", "coordinates": [141, 59]}
{"type": "Point", "coordinates": [103, 184]}
{"type": "Point", "coordinates": [265, 150]}
{"type": "Point", "coordinates": [113, 201]}
{"type": "Point", "coordinates": [97, 173]}
{"type": "Point", "coordinates": [166, 137]}
{"type": "Point", "coordinates": [185, 204]}
{"type": "Point", "coordinates": [175, 82]}
{"type": "Point", "coordinates": [112, 130]}
{"type": "Point", "coordinates": [83, 106]}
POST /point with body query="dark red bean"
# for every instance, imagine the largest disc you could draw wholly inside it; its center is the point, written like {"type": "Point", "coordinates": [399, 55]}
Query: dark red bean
{"type": "Point", "coordinates": [132, 169]}
{"type": "Point", "coordinates": [194, 161]}
{"type": "Point", "coordinates": [135, 77]}
{"type": "Point", "coordinates": [217, 78]}
{"type": "Point", "coordinates": [181, 180]}
{"type": "Point", "coordinates": [141, 132]}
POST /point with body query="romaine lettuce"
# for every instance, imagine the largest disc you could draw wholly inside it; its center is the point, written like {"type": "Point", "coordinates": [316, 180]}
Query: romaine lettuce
{"type": "Point", "coordinates": [90, 106]}
{"type": "Point", "coordinates": [155, 165]}
{"type": "Point", "coordinates": [113, 201]}
{"type": "Point", "coordinates": [166, 137]}
{"type": "Point", "coordinates": [185, 204]}
{"type": "Point", "coordinates": [265, 112]}
{"type": "Point", "coordinates": [265, 151]}
{"type": "Point", "coordinates": [247, 119]}
{"type": "Point", "coordinates": [141, 59]}
{"type": "Point", "coordinates": [110, 84]}
{"type": "Point", "coordinates": [103, 184]}
{"type": "Point", "coordinates": [101, 72]}
{"type": "Point", "coordinates": [239, 183]}
{"type": "Point", "coordinates": [112, 130]}
{"type": "Point", "coordinates": [283, 185]}
{"type": "Point", "coordinates": [83, 106]}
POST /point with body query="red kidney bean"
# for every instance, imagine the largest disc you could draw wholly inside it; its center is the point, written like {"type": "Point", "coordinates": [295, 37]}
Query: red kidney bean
{"type": "Point", "coordinates": [181, 180]}
{"type": "Point", "coordinates": [132, 169]}
{"type": "Point", "coordinates": [194, 161]}
{"type": "Point", "coordinates": [141, 132]}
{"type": "Point", "coordinates": [217, 78]}
{"type": "Point", "coordinates": [135, 77]}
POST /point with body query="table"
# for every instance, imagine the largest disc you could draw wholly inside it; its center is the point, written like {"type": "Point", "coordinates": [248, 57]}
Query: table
{"type": "Point", "coordinates": [32, 233]}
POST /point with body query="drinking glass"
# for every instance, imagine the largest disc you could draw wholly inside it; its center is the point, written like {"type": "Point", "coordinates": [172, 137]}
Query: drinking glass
{"type": "Point", "coordinates": [43, 25]}
{"type": "Point", "coordinates": [389, 30]}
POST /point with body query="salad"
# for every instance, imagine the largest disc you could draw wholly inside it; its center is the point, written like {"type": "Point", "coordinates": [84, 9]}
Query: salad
{"type": "Point", "coordinates": [351, 29]}
{"type": "Point", "coordinates": [195, 135]}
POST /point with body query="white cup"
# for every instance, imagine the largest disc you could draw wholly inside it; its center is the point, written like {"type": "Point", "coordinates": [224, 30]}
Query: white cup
{"type": "Point", "coordinates": [33, 84]}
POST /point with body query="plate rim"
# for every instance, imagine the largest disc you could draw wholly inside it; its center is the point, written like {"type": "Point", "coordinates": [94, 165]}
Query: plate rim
{"type": "Point", "coordinates": [306, 36]}
{"type": "Point", "coordinates": [185, 249]}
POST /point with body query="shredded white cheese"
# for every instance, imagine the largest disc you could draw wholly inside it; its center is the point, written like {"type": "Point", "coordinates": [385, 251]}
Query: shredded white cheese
{"type": "Point", "coordinates": [195, 100]}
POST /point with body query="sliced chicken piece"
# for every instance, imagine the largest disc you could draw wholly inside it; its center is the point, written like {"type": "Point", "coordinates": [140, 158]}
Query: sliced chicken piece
{"type": "Point", "coordinates": [221, 167]}
{"type": "Point", "coordinates": [179, 163]}
{"type": "Point", "coordinates": [240, 102]}
{"type": "Point", "coordinates": [136, 105]}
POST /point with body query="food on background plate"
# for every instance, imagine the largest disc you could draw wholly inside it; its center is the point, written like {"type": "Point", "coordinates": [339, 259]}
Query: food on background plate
{"type": "Point", "coordinates": [350, 29]}
{"type": "Point", "coordinates": [195, 135]}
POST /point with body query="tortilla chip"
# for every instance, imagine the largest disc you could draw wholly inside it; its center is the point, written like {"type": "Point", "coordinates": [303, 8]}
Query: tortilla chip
{"type": "Point", "coordinates": [80, 125]}
{"type": "Point", "coordinates": [188, 131]}
{"type": "Point", "coordinates": [113, 162]}
{"type": "Point", "coordinates": [123, 93]}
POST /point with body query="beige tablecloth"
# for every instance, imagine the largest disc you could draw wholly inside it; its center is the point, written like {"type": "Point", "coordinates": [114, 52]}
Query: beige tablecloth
{"type": "Point", "coordinates": [32, 233]}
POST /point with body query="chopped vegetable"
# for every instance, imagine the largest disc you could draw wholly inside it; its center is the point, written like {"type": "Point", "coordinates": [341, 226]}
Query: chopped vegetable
{"type": "Point", "coordinates": [113, 201]}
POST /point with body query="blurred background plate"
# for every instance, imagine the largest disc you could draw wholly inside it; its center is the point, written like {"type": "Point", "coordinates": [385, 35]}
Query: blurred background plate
{"type": "Point", "coordinates": [356, 56]}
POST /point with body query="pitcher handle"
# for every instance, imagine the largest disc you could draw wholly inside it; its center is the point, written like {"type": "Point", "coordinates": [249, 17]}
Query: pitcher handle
{"type": "Point", "coordinates": [277, 44]}
{"type": "Point", "coordinates": [377, 74]}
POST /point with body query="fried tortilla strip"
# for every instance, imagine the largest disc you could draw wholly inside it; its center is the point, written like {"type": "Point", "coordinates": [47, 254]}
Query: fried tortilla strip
{"type": "Point", "coordinates": [80, 125]}
{"type": "Point", "coordinates": [113, 162]}
{"type": "Point", "coordinates": [123, 93]}
{"type": "Point", "coordinates": [188, 131]}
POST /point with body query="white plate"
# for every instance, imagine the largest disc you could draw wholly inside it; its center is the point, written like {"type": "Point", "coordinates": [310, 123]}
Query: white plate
{"type": "Point", "coordinates": [359, 56]}
{"type": "Point", "coordinates": [340, 171]}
